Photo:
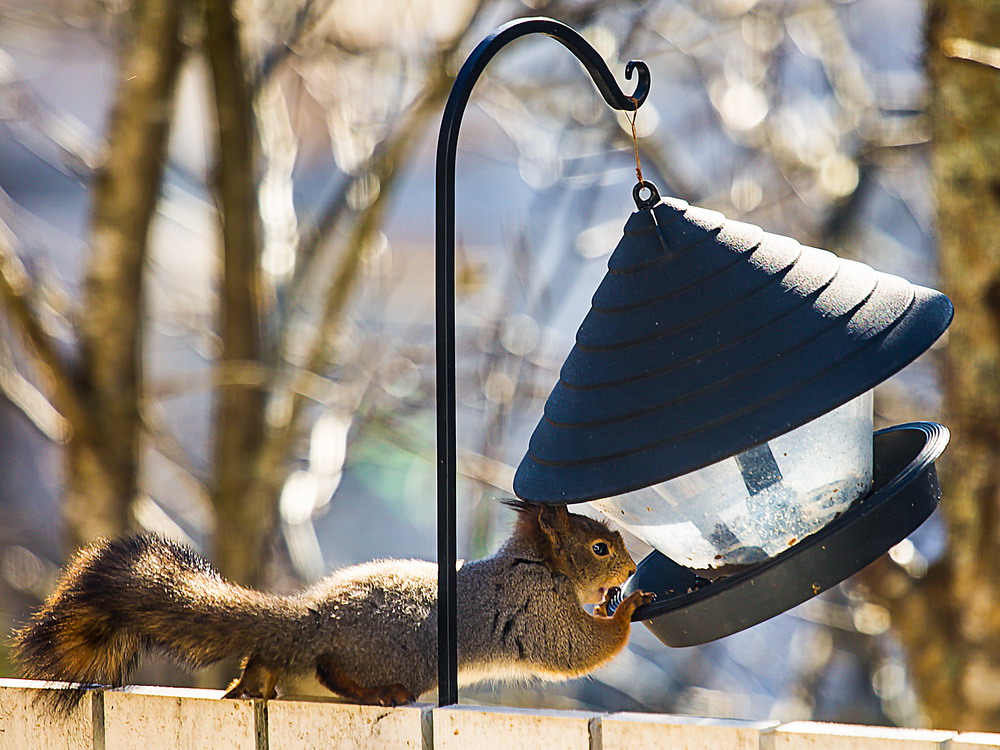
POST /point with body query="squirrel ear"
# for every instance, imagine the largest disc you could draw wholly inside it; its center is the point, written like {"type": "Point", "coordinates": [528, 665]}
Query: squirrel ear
{"type": "Point", "coordinates": [554, 523]}
{"type": "Point", "coordinates": [553, 518]}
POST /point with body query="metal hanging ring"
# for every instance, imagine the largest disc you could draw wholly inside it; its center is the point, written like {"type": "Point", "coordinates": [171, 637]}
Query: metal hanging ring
{"type": "Point", "coordinates": [643, 203]}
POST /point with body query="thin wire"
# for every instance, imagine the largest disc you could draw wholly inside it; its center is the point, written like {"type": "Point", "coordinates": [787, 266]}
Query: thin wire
{"type": "Point", "coordinates": [635, 140]}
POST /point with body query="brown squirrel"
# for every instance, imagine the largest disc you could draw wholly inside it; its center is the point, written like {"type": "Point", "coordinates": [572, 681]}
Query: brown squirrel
{"type": "Point", "coordinates": [368, 632]}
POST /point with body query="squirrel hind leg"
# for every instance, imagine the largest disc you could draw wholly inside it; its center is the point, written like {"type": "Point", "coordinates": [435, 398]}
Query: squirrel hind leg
{"type": "Point", "coordinates": [256, 681]}
{"type": "Point", "coordinates": [336, 681]}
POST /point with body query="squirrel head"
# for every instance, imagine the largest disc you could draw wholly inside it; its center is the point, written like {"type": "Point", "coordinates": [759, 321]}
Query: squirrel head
{"type": "Point", "coordinates": [589, 553]}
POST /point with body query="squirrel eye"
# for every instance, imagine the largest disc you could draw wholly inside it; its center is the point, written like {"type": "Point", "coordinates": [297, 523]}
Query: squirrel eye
{"type": "Point", "coordinates": [600, 549]}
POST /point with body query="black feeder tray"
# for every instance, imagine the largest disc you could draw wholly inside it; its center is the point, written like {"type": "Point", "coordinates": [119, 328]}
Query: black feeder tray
{"type": "Point", "coordinates": [690, 610]}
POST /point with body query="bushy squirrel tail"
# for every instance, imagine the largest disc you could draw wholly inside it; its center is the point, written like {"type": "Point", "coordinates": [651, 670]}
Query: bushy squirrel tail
{"type": "Point", "coordinates": [122, 597]}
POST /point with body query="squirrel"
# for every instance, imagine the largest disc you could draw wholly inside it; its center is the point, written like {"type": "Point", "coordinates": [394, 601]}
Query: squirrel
{"type": "Point", "coordinates": [368, 632]}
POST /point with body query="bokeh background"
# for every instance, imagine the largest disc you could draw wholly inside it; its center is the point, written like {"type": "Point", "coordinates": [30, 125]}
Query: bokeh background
{"type": "Point", "coordinates": [216, 254]}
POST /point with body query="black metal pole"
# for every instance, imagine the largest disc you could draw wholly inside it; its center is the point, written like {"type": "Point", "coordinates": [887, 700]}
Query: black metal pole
{"type": "Point", "coordinates": [445, 295]}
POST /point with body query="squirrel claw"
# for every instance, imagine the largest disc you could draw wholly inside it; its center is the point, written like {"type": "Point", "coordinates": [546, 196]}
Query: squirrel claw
{"type": "Point", "coordinates": [238, 691]}
{"type": "Point", "coordinates": [633, 601]}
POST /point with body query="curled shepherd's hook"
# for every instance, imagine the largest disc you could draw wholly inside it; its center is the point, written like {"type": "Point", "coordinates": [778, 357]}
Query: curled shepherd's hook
{"type": "Point", "coordinates": [445, 280]}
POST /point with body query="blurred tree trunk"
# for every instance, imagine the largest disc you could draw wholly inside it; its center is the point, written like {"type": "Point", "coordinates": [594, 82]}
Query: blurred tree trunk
{"type": "Point", "coordinates": [103, 457]}
{"type": "Point", "coordinates": [949, 621]}
{"type": "Point", "coordinates": [244, 519]}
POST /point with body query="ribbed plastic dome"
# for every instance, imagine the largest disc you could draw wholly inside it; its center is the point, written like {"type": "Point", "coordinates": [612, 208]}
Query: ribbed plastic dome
{"type": "Point", "coordinates": [707, 337]}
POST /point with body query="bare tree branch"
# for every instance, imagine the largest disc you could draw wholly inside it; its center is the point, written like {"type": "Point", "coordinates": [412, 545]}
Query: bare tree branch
{"type": "Point", "coordinates": [171, 449]}
{"type": "Point", "coordinates": [250, 375]}
{"type": "Point", "coordinates": [53, 135]}
{"type": "Point", "coordinates": [16, 290]}
{"type": "Point", "coordinates": [273, 58]}
{"type": "Point", "coordinates": [34, 405]}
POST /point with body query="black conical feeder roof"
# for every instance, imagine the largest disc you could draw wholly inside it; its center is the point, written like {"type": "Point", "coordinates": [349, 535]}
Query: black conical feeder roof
{"type": "Point", "coordinates": [707, 337]}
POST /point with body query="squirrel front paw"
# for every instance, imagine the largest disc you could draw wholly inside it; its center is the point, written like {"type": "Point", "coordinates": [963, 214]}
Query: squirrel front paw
{"type": "Point", "coordinates": [601, 610]}
{"type": "Point", "coordinates": [632, 602]}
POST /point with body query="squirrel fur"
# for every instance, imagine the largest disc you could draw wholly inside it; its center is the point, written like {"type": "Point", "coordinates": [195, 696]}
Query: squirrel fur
{"type": "Point", "coordinates": [368, 632]}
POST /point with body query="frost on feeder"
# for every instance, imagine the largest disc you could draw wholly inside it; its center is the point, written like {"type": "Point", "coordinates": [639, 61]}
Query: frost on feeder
{"type": "Point", "coordinates": [717, 404]}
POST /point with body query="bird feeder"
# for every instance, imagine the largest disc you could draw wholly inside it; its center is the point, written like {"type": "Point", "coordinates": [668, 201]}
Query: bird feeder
{"type": "Point", "coordinates": [717, 404]}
